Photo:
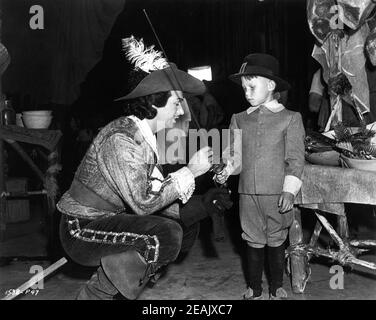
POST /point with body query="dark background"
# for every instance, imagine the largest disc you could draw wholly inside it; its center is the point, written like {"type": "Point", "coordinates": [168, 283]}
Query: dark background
{"type": "Point", "coordinates": [219, 33]}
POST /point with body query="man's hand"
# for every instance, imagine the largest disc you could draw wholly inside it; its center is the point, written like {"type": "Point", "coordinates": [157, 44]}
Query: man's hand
{"type": "Point", "coordinates": [285, 202]}
{"type": "Point", "coordinates": [217, 200]}
{"type": "Point", "coordinates": [201, 161]}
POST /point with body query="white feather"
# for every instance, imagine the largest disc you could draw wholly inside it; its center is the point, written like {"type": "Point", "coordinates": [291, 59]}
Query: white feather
{"type": "Point", "coordinates": [144, 58]}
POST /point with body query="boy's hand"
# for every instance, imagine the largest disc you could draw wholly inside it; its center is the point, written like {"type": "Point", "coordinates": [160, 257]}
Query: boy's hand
{"type": "Point", "coordinates": [285, 202]}
{"type": "Point", "coordinates": [221, 177]}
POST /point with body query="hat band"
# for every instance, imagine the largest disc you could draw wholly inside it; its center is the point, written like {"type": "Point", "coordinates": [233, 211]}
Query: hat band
{"type": "Point", "coordinates": [255, 70]}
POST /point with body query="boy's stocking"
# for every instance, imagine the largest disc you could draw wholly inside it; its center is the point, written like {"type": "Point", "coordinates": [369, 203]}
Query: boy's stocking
{"type": "Point", "coordinates": [276, 257]}
{"type": "Point", "coordinates": [255, 259]}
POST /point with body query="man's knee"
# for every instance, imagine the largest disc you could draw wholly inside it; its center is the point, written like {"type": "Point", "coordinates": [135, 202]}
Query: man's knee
{"type": "Point", "coordinates": [170, 235]}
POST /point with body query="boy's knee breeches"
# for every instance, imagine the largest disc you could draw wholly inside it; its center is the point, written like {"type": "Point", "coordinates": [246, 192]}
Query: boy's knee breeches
{"type": "Point", "coordinates": [261, 222]}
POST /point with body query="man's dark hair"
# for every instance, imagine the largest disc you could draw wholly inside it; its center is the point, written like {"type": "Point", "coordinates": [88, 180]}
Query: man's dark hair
{"type": "Point", "coordinates": [142, 107]}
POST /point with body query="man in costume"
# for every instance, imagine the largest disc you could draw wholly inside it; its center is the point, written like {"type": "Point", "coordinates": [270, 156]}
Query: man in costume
{"type": "Point", "coordinates": [121, 214]}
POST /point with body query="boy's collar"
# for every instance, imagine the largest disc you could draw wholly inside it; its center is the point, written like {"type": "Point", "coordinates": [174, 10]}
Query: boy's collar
{"type": "Point", "coordinates": [273, 106]}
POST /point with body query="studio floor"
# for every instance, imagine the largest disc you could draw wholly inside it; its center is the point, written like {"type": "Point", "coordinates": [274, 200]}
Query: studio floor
{"type": "Point", "coordinates": [211, 271]}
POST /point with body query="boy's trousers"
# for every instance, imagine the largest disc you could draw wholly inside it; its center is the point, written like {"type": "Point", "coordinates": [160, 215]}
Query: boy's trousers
{"type": "Point", "coordinates": [261, 222]}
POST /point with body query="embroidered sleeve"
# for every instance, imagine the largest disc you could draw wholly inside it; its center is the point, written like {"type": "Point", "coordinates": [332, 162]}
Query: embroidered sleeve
{"type": "Point", "coordinates": [125, 165]}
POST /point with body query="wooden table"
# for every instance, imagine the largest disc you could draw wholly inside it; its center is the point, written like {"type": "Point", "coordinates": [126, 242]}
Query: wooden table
{"type": "Point", "coordinates": [327, 189]}
{"type": "Point", "coordinates": [48, 140]}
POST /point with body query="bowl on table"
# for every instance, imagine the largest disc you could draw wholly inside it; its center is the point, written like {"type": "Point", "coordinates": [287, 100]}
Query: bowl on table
{"type": "Point", "coordinates": [40, 119]}
{"type": "Point", "coordinates": [361, 164]}
{"type": "Point", "coordinates": [37, 113]}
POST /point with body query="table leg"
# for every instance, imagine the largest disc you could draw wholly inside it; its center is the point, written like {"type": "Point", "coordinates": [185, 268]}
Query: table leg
{"type": "Point", "coordinates": [298, 256]}
{"type": "Point", "coordinates": [343, 227]}
{"type": "Point", "coordinates": [315, 235]}
{"type": "Point", "coordinates": [2, 190]}
{"type": "Point", "coordinates": [52, 188]}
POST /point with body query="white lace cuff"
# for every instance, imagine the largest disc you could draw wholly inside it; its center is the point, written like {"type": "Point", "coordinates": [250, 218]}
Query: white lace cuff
{"type": "Point", "coordinates": [185, 182]}
{"type": "Point", "coordinates": [292, 184]}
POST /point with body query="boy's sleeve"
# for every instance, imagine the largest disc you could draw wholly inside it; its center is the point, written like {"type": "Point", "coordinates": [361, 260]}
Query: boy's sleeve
{"type": "Point", "coordinates": [294, 156]}
{"type": "Point", "coordinates": [232, 154]}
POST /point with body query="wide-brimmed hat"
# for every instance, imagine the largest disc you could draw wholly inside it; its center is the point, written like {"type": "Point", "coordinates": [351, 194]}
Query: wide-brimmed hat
{"type": "Point", "coordinates": [167, 79]}
{"type": "Point", "coordinates": [263, 65]}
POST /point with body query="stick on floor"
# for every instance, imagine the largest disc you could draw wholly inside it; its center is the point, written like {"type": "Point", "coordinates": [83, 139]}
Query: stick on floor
{"type": "Point", "coordinates": [35, 279]}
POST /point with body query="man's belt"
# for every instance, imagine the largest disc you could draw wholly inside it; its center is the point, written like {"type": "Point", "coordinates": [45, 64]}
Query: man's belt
{"type": "Point", "coordinates": [87, 197]}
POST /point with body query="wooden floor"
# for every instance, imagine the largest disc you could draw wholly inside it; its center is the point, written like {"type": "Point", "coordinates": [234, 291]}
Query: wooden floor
{"type": "Point", "coordinates": [212, 270]}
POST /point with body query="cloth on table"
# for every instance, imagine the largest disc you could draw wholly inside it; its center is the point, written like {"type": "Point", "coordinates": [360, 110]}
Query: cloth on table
{"type": "Point", "coordinates": [43, 137]}
{"type": "Point", "coordinates": [328, 188]}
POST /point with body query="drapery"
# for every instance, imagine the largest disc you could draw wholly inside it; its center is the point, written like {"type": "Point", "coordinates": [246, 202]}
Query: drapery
{"type": "Point", "coordinates": [83, 28]}
{"type": "Point", "coordinates": [50, 64]}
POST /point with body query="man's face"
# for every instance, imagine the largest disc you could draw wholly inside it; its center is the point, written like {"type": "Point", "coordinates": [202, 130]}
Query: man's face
{"type": "Point", "coordinates": [172, 110]}
{"type": "Point", "coordinates": [257, 90]}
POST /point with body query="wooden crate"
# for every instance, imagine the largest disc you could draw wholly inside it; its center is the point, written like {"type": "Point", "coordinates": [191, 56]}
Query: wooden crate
{"type": "Point", "coordinates": [17, 210]}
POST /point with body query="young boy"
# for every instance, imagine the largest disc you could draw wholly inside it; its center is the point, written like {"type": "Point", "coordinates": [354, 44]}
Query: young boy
{"type": "Point", "coordinates": [270, 165]}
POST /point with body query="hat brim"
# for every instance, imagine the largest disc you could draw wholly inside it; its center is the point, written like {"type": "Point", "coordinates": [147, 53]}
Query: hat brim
{"type": "Point", "coordinates": [281, 85]}
{"type": "Point", "coordinates": [167, 79]}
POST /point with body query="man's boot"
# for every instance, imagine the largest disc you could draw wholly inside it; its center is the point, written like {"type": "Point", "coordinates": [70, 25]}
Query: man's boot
{"type": "Point", "coordinates": [98, 287]}
{"type": "Point", "coordinates": [128, 272]}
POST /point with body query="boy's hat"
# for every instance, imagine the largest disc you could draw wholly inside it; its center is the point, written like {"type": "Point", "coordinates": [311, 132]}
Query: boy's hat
{"type": "Point", "coordinates": [263, 65]}
{"type": "Point", "coordinates": [166, 80]}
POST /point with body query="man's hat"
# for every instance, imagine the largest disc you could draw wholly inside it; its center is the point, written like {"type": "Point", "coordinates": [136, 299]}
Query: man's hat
{"type": "Point", "coordinates": [167, 79]}
{"type": "Point", "coordinates": [263, 65]}
{"type": "Point", "coordinates": [161, 75]}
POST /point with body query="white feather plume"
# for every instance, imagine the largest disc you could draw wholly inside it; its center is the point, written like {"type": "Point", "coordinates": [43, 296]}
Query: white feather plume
{"type": "Point", "coordinates": [144, 58]}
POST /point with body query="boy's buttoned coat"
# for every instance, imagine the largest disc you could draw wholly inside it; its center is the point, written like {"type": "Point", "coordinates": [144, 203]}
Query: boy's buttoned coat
{"type": "Point", "coordinates": [272, 148]}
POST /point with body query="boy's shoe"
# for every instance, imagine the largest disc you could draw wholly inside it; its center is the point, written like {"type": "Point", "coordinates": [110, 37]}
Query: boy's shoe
{"type": "Point", "coordinates": [280, 294]}
{"type": "Point", "coordinates": [249, 295]}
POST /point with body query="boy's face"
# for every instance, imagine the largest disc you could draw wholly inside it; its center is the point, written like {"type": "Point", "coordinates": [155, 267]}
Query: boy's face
{"type": "Point", "coordinates": [258, 90]}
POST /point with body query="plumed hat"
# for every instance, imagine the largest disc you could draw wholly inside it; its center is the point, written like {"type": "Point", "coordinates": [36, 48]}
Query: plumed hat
{"type": "Point", "coordinates": [160, 76]}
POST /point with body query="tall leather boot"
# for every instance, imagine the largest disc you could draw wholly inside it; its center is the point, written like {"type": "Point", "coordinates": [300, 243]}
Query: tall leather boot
{"type": "Point", "coordinates": [276, 257]}
{"type": "Point", "coordinates": [98, 287]}
{"type": "Point", "coordinates": [255, 259]}
{"type": "Point", "coordinates": [128, 272]}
